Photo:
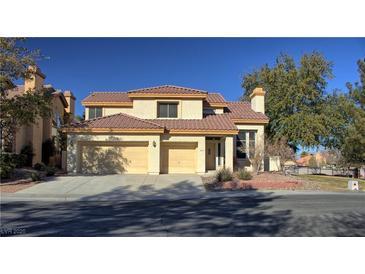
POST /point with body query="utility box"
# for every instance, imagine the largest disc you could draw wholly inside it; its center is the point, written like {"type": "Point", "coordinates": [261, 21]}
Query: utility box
{"type": "Point", "coordinates": [353, 185]}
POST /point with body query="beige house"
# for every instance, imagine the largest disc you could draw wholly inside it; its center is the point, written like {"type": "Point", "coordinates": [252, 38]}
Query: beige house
{"type": "Point", "coordinates": [165, 129]}
{"type": "Point", "coordinates": [45, 128]}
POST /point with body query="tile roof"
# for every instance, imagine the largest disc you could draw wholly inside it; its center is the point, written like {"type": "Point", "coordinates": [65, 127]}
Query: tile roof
{"type": "Point", "coordinates": [215, 98]}
{"type": "Point", "coordinates": [125, 121]}
{"type": "Point", "coordinates": [107, 96]}
{"type": "Point", "coordinates": [119, 120]}
{"type": "Point", "coordinates": [168, 89]}
{"type": "Point", "coordinates": [211, 122]}
{"type": "Point", "coordinates": [243, 110]}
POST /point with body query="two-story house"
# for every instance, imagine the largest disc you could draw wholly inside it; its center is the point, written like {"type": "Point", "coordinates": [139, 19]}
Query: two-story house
{"type": "Point", "coordinates": [62, 105]}
{"type": "Point", "coordinates": [165, 129]}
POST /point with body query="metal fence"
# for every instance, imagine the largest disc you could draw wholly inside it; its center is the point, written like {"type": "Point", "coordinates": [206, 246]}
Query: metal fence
{"type": "Point", "coordinates": [300, 170]}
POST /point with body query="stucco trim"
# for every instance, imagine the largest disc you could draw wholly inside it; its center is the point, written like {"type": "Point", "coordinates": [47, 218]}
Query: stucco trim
{"type": "Point", "coordinates": [250, 121]}
{"type": "Point", "coordinates": [166, 95]}
{"type": "Point", "coordinates": [112, 130]}
{"type": "Point", "coordinates": [111, 104]}
{"type": "Point", "coordinates": [203, 132]}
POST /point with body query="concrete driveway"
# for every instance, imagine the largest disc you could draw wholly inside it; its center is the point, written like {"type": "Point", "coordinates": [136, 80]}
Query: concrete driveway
{"type": "Point", "coordinates": [117, 187]}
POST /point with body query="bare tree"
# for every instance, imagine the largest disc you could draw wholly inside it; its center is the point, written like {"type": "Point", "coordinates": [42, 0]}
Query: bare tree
{"type": "Point", "coordinates": [281, 149]}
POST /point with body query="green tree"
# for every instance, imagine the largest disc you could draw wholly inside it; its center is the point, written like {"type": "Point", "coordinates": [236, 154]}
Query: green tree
{"type": "Point", "coordinates": [294, 98]}
{"type": "Point", "coordinates": [353, 147]}
{"type": "Point", "coordinates": [19, 109]}
{"type": "Point", "coordinates": [357, 91]}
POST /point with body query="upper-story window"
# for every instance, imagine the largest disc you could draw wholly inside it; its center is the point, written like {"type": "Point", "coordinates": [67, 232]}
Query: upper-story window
{"type": "Point", "coordinates": [95, 112]}
{"type": "Point", "coordinates": [167, 110]}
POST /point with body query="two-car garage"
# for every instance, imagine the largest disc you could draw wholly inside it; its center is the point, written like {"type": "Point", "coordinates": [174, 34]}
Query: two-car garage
{"type": "Point", "coordinates": [133, 157]}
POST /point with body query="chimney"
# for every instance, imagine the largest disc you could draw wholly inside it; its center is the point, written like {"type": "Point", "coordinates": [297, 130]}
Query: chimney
{"type": "Point", "coordinates": [258, 100]}
{"type": "Point", "coordinates": [70, 98]}
{"type": "Point", "coordinates": [35, 79]}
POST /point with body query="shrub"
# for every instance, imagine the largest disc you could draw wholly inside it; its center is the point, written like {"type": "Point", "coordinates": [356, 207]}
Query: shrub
{"type": "Point", "coordinates": [20, 159]}
{"type": "Point", "coordinates": [7, 165]}
{"type": "Point", "coordinates": [28, 151]}
{"type": "Point", "coordinates": [50, 171]}
{"type": "Point", "coordinates": [224, 175]}
{"type": "Point", "coordinates": [243, 174]}
{"type": "Point", "coordinates": [48, 150]}
{"type": "Point", "coordinates": [40, 166]}
{"type": "Point", "coordinates": [35, 176]}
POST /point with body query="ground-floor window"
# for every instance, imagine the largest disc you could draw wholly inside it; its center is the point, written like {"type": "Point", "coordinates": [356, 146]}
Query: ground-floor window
{"type": "Point", "coordinates": [245, 144]}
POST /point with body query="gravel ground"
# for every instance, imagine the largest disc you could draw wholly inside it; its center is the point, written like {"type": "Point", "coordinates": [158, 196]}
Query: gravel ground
{"type": "Point", "coordinates": [265, 180]}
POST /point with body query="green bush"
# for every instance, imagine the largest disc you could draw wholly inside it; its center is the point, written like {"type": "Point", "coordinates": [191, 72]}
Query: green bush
{"type": "Point", "coordinates": [48, 150]}
{"type": "Point", "coordinates": [50, 171]}
{"type": "Point", "coordinates": [28, 151]}
{"type": "Point", "coordinates": [243, 174]}
{"type": "Point", "coordinates": [224, 175]}
{"type": "Point", "coordinates": [20, 160]}
{"type": "Point", "coordinates": [7, 165]}
{"type": "Point", "coordinates": [35, 176]}
{"type": "Point", "coordinates": [40, 167]}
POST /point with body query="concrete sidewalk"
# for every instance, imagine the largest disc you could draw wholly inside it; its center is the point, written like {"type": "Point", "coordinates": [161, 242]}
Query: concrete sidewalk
{"type": "Point", "coordinates": [113, 187]}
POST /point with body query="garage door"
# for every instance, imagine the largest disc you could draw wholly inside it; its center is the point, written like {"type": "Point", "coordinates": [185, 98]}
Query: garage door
{"type": "Point", "coordinates": [114, 157]}
{"type": "Point", "coordinates": [178, 157]}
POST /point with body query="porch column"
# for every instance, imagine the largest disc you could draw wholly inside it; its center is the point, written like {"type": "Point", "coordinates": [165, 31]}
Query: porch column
{"type": "Point", "coordinates": [228, 152]}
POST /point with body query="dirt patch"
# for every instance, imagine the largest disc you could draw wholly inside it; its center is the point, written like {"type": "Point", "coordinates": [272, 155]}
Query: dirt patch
{"type": "Point", "coordinates": [16, 186]}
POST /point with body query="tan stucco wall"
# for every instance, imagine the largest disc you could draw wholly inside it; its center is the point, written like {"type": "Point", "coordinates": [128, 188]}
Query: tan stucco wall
{"type": "Point", "coordinates": [258, 103]}
{"type": "Point", "coordinates": [218, 110]}
{"type": "Point", "coordinates": [200, 140]}
{"type": "Point", "coordinates": [73, 149]}
{"type": "Point", "coordinates": [115, 110]}
{"type": "Point", "coordinates": [191, 109]}
{"type": "Point", "coordinates": [147, 108]}
{"type": "Point", "coordinates": [37, 133]}
{"type": "Point", "coordinates": [229, 152]}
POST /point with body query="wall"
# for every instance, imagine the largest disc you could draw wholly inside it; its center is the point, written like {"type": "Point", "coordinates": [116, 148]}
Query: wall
{"type": "Point", "coordinates": [115, 110]}
{"type": "Point", "coordinates": [74, 149]}
{"type": "Point", "coordinates": [147, 109]}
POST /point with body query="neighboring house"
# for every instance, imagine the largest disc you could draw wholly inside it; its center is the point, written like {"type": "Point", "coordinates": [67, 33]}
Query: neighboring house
{"type": "Point", "coordinates": [320, 159]}
{"type": "Point", "coordinates": [165, 129]}
{"type": "Point", "coordinates": [45, 128]}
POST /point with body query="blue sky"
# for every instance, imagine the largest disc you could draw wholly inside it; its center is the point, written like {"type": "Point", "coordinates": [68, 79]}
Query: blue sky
{"type": "Point", "coordinates": [213, 64]}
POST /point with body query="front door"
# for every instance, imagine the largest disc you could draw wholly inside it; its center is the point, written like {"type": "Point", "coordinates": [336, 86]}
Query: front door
{"type": "Point", "coordinates": [210, 155]}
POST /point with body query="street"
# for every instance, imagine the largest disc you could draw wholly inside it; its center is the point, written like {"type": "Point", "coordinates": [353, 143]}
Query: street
{"type": "Point", "coordinates": [263, 214]}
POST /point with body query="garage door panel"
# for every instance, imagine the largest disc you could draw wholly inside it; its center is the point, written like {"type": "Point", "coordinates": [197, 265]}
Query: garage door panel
{"type": "Point", "coordinates": [111, 158]}
{"type": "Point", "coordinates": [178, 158]}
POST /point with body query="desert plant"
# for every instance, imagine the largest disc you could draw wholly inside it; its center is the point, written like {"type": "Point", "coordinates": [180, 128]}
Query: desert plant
{"type": "Point", "coordinates": [50, 171]}
{"type": "Point", "coordinates": [40, 166]}
{"type": "Point", "coordinates": [243, 174]}
{"type": "Point", "coordinates": [224, 175]}
{"type": "Point", "coordinates": [35, 176]}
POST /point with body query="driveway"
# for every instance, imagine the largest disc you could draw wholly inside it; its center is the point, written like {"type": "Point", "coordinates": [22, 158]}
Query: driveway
{"type": "Point", "coordinates": [117, 187]}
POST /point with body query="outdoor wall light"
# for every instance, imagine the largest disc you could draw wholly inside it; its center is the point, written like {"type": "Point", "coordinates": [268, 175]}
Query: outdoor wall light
{"type": "Point", "coordinates": [154, 144]}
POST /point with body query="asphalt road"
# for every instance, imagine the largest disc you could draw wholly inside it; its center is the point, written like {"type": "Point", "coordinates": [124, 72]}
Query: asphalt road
{"type": "Point", "coordinates": [264, 214]}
